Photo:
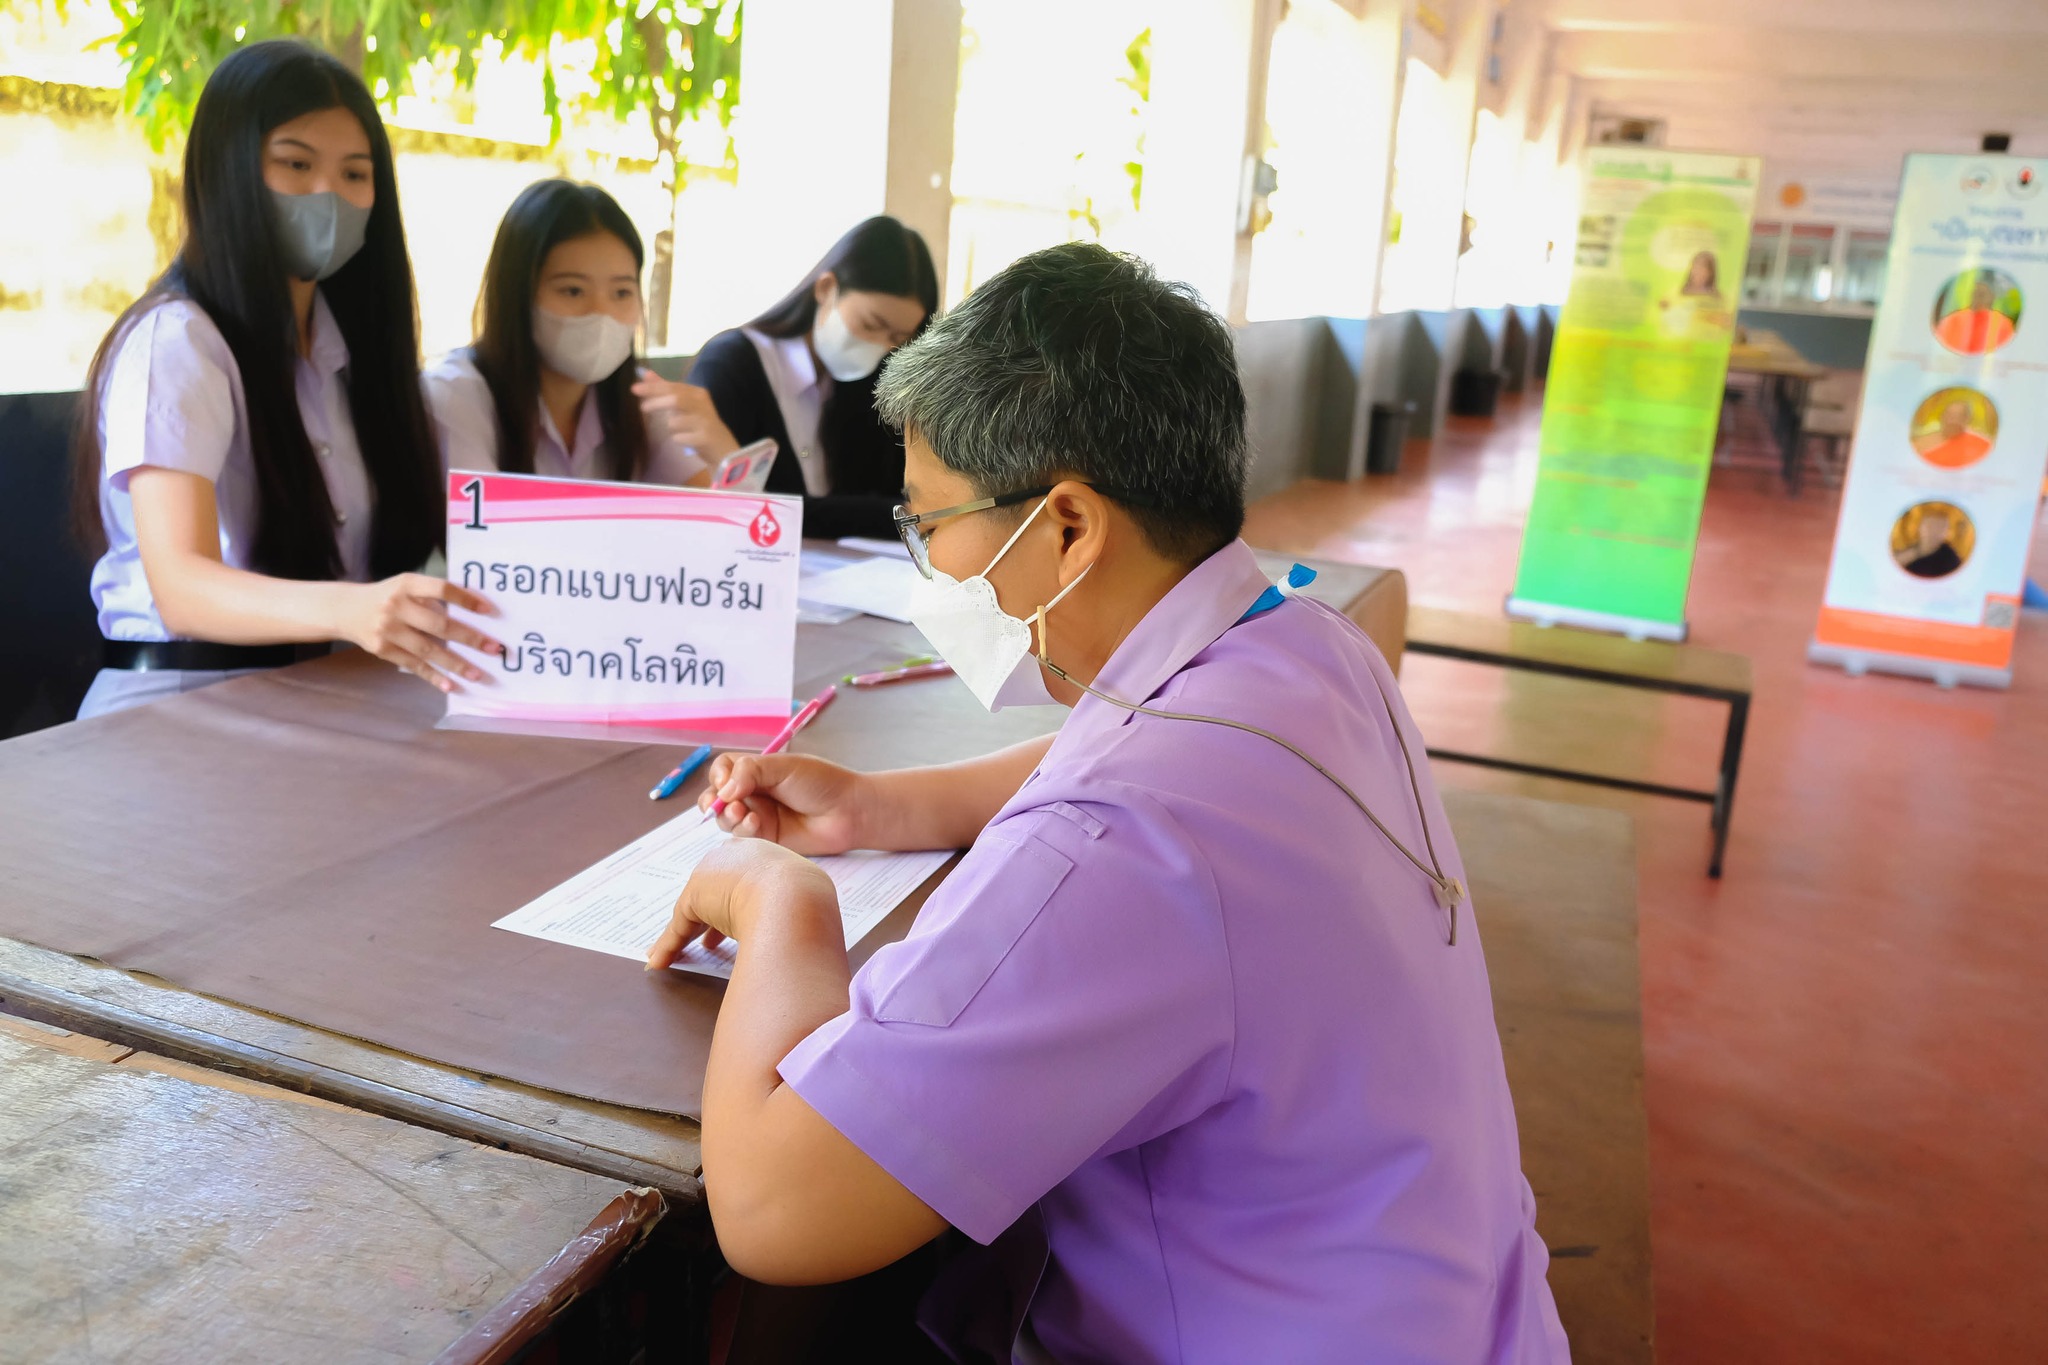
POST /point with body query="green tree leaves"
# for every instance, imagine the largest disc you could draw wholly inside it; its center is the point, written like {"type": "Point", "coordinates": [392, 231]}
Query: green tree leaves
{"type": "Point", "coordinates": [665, 61]}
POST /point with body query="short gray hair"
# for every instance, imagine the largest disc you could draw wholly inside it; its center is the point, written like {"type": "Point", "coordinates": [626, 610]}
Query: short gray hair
{"type": "Point", "coordinates": [1079, 362]}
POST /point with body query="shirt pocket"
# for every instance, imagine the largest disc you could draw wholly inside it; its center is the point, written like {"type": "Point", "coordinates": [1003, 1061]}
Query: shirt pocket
{"type": "Point", "coordinates": [990, 900]}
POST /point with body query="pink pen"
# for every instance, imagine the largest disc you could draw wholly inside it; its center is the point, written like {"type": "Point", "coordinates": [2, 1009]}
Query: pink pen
{"type": "Point", "coordinates": [788, 732]}
{"type": "Point", "coordinates": [888, 675]}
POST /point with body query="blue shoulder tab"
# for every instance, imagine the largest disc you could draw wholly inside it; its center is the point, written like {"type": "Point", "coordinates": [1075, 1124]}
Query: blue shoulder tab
{"type": "Point", "coordinates": [1298, 577]}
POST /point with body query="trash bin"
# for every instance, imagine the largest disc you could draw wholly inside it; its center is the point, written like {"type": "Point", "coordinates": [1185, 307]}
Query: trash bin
{"type": "Point", "coordinates": [1385, 437]}
{"type": "Point", "coordinates": [1474, 393]}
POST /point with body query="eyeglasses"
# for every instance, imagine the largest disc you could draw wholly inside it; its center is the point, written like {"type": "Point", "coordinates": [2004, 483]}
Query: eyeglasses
{"type": "Point", "coordinates": [918, 541]}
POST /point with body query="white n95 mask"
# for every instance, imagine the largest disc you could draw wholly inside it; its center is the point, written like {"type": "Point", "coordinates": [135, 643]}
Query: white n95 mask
{"type": "Point", "coordinates": [584, 349]}
{"type": "Point", "coordinates": [845, 356]}
{"type": "Point", "coordinates": [989, 649]}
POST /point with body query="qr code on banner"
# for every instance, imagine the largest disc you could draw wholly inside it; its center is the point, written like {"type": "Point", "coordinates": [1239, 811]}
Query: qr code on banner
{"type": "Point", "coordinates": [2000, 615]}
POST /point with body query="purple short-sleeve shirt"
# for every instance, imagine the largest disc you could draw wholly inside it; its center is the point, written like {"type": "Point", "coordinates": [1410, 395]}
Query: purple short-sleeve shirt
{"type": "Point", "coordinates": [1185, 999]}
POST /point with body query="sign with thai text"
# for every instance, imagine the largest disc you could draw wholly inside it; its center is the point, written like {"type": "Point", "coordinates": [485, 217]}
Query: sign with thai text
{"type": "Point", "coordinates": [627, 604]}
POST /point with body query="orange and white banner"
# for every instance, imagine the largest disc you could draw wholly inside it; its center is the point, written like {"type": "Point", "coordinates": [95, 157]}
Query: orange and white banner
{"type": "Point", "coordinates": [1946, 471]}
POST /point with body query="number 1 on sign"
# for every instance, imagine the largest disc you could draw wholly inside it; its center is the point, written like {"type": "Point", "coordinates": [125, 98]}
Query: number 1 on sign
{"type": "Point", "coordinates": [475, 489]}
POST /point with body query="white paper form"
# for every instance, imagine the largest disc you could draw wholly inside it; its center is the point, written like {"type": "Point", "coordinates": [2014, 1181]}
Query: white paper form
{"type": "Point", "coordinates": [621, 905]}
{"type": "Point", "coordinates": [816, 561]}
{"type": "Point", "coordinates": [819, 559]}
{"type": "Point", "coordinates": [881, 586]}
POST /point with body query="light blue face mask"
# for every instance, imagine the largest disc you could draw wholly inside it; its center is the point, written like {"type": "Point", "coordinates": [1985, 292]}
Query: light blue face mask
{"type": "Point", "coordinates": [318, 233]}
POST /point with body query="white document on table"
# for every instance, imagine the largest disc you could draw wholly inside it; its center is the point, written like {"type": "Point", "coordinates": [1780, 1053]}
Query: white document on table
{"type": "Point", "coordinates": [820, 559]}
{"type": "Point", "coordinates": [880, 587]}
{"type": "Point", "coordinates": [817, 561]}
{"type": "Point", "coordinates": [621, 905]}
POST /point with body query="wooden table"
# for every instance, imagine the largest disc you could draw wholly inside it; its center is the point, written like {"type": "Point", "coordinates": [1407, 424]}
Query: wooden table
{"type": "Point", "coordinates": [1685, 670]}
{"type": "Point", "coordinates": [1547, 1027]}
{"type": "Point", "coordinates": [1554, 892]}
{"type": "Point", "coordinates": [160, 1213]}
{"type": "Point", "coordinates": [896, 726]}
{"type": "Point", "coordinates": [1553, 889]}
{"type": "Point", "coordinates": [1785, 379]}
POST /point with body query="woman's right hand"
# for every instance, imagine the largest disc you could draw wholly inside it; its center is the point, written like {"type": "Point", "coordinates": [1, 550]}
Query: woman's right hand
{"type": "Point", "coordinates": [805, 804]}
{"type": "Point", "coordinates": [692, 417]}
{"type": "Point", "coordinates": [404, 620]}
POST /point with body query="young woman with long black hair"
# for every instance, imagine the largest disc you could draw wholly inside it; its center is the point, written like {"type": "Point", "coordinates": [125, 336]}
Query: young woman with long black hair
{"type": "Point", "coordinates": [253, 453]}
{"type": "Point", "coordinates": [804, 373]}
{"type": "Point", "coordinates": [547, 387]}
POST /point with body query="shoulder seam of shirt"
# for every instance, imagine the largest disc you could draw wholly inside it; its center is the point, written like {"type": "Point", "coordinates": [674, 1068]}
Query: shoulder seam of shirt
{"type": "Point", "coordinates": [462, 410]}
{"type": "Point", "coordinates": [202, 342]}
{"type": "Point", "coordinates": [189, 315]}
{"type": "Point", "coordinates": [453, 365]}
{"type": "Point", "coordinates": [462, 379]}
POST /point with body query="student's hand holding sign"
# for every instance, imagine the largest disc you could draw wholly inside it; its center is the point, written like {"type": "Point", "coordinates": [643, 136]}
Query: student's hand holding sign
{"type": "Point", "coordinates": [404, 620]}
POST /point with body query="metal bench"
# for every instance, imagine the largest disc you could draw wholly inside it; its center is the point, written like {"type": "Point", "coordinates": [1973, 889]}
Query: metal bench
{"type": "Point", "coordinates": [1687, 670]}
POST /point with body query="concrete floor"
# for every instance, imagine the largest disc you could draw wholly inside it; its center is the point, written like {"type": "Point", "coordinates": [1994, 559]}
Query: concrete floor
{"type": "Point", "coordinates": [1845, 1036]}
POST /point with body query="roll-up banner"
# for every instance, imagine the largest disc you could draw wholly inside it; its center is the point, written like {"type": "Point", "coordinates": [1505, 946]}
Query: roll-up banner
{"type": "Point", "coordinates": [1633, 398]}
{"type": "Point", "coordinates": [1945, 472]}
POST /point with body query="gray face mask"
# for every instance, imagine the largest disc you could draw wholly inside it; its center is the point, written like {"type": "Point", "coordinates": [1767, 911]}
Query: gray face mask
{"type": "Point", "coordinates": [318, 233]}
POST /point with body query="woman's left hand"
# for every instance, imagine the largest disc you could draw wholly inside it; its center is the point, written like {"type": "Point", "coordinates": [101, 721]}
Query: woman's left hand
{"type": "Point", "coordinates": [693, 418]}
{"type": "Point", "coordinates": [732, 884]}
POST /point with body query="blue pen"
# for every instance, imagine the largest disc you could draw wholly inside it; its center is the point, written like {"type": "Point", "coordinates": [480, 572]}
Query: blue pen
{"type": "Point", "coordinates": [666, 788]}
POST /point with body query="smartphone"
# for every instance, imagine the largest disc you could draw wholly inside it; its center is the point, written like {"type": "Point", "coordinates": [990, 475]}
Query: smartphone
{"type": "Point", "coordinates": [746, 469]}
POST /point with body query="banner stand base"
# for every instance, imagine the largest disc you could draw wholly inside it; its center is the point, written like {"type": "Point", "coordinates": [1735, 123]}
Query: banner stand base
{"type": "Point", "coordinates": [1635, 628]}
{"type": "Point", "coordinates": [1941, 672]}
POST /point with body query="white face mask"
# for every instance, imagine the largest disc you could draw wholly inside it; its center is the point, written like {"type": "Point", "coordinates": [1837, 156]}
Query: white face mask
{"type": "Point", "coordinates": [584, 349]}
{"type": "Point", "coordinates": [845, 356]}
{"type": "Point", "coordinates": [989, 649]}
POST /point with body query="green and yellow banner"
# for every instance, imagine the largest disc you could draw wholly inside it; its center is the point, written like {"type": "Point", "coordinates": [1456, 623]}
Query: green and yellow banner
{"type": "Point", "coordinates": [1633, 398]}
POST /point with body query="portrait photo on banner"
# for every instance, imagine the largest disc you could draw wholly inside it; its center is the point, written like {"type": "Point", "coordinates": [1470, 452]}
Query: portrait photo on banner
{"type": "Point", "coordinates": [1696, 305]}
{"type": "Point", "coordinates": [1954, 427]}
{"type": "Point", "coordinates": [1977, 311]}
{"type": "Point", "coordinates": [1933, 539]}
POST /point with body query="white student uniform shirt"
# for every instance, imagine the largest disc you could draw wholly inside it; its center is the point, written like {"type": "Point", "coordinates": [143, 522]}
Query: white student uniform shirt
{"type": "Point", "coordinates": [173, 400]}
{"type": "Point", "coordinates": [466, 425]}
{"type": "Point", "coordinates": [800, 388]}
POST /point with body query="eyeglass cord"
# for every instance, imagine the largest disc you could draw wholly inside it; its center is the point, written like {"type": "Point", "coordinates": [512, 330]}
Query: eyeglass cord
{"type": "Point", "coordinates": [1449, 890]}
